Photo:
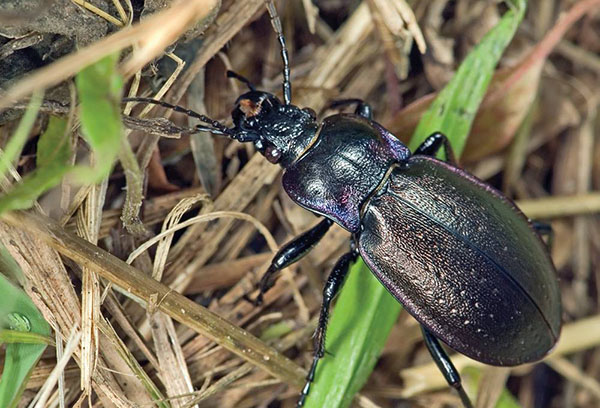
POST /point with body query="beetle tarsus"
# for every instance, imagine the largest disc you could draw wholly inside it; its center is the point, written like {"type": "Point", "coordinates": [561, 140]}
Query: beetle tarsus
{"type": "Point", "coordinates": [464, 398]}
{"type": "Point", "coordinates": [332, 287]}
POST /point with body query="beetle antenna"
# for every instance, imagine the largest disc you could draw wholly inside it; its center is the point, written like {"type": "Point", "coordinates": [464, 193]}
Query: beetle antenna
{"type": "Point", "coordinates": [215, 126]}
{"type": "Point", "coordinates": [231, 74]}
{"type": "Point", "coordinates": [276, 22]}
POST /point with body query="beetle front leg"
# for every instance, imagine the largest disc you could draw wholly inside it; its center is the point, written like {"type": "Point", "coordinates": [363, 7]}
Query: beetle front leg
{"type": "Point", "coordinates": [291, 252]}
{"type": "Point", "coordinates": [445, 365]}
{"type": "Point", "coordinates": [334, 283]}
{"type": "Point", "coordinates": [432, 145]}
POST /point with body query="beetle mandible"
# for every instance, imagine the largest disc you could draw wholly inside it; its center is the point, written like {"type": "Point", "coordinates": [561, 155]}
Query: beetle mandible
{"type": "Point", "coordinates": [458, 255]}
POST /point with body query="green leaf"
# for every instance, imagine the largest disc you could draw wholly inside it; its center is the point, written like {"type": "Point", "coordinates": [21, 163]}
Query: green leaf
{"type": "Point", "coordinates": [16, 336]}
{"type": "Point", "coordinates": [454, 109]}
{"type": "Point", "coordinates": [53, 146]}
{"type": "Point", "coordinates": [33, 185]}
{"type": "Point", "coordinates": [99, 88]}
{"type": "Point", "coordinates": [16, 143]}
{"type": "Point", "coordinates": [53, 154]}
{"type": "Point", "coordinates": [276, 331]}
{"type": "Point", "coordinates": [18, 314]}
{"type": "Point", "coordinates": [365, 311]}
{"type": "Point", "coordinates": [355, 337]}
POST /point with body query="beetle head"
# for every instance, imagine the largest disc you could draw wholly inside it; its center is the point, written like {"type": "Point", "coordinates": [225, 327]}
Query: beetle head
{"type": "Point", "coordinates": [280, 132]}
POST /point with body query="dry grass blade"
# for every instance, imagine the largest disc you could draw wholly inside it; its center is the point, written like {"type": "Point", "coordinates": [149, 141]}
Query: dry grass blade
{"type": "Point", "coordinates": [172, 23]}
{"type": "Point", "coordinates": [88, 227]}
{"type": "Point", "coordinates": [546, 45]}
{"type": "Point", "coordinates": [99, 12]}
{"type": "Point", "coordinates": [577, 336]}
{"type": "Point", "coordinates": [173, 304]}
{"type": "Point", "coordinates": [50, 288]}
{"type": "Point", "coordinates": [397, 14]}
{"type": "Point", "coordinates": [205, 218]}
{"type": "Point", "coordinates": [198, 245]}
{"type": "Point", "coordinates": [227, 25]}
{"type": "Point", "coordinates": [45, 391]}
{"type": "Point", "coordinates": [172, 367]}
{"type": "Point", "coordinates": [561, 206]}
{"type": "Point", "coordinates": [142, 342]}
{"type": "Point", "coordinates": [168, 229]}
{"type": "Point", "coordinates": [575, 374]}
{"type": "Point", "coordinates": [491, 386]}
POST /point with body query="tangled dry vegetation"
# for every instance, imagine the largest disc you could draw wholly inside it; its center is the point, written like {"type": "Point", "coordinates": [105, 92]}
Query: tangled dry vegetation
{"type": "Point", "coordinates": [534, 138]}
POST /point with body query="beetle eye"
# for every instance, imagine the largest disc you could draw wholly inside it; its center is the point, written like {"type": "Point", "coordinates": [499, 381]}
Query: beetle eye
{"type": "Point", "coordinates": [272, 154]}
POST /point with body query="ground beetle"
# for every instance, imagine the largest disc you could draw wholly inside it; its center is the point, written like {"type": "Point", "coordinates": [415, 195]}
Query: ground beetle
{"type": "Point", "coordinates": [458, 255]}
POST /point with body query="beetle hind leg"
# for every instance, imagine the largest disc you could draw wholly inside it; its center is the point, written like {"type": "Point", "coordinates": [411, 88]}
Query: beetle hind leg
{"type": "Point", "coordinates": [445, 365]}
{"type": "Point", "coordinates": [334, 283]}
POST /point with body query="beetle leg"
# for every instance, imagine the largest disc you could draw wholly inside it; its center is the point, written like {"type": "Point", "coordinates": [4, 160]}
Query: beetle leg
{"type": "Point", "coordinates": [334, 283]}
{"type": "Point", "coordinates": [432, 145]}
{"type": "Point", "coordinates": [243, 79]}
{"type": "Point", "coordinates": [291, 252]}
{"type": "Point", "coordinates": [445, 365]}
{"type": "Point", "coordinates": [362, 108]}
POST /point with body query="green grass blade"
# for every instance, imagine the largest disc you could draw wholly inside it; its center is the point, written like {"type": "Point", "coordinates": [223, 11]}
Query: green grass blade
{"type": "Point", "coordinates": [355, 337]}
{"type": "Point", "coordinates": [16, 143]}
{"type": "Point", "coordinates": [99, 89]}
{"type": "Point", "coordinates": [365, 311]}
{"type": "Point", "coordinates": [53, 155]}
{"type": "Point", "coordinates": [54, 144]}
{"type": "Point", "coordinates": [454, 109]}
{"type": "Point", "coordinates": [15, 336]}
{"type": "Point", "coordinates": [18, 314]}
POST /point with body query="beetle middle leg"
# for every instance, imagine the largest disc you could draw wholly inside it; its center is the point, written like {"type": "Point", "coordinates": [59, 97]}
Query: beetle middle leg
{"type": "Point", "coordinates": [334, 283]}
{"type": "Point", "coordinates": [362, 108]}
{"type": "Point", "coordinates": [291, 252]}
{"type": "Point", "coordinates": [432, 145]}
{"type": "Point", "coordinates": [445, 365]}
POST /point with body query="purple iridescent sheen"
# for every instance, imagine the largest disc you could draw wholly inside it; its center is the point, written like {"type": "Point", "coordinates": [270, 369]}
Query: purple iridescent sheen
{"type": "Point", "coordinates": [342, 168]}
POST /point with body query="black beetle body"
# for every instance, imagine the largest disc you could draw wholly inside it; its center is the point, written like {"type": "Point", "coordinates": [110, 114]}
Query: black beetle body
{"type": "Point", "coordinates": [345, 162]}
{"type": "Point", "coordinates": [464, 261]}
{"type": "Point", "coordinates": [458, 255]}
